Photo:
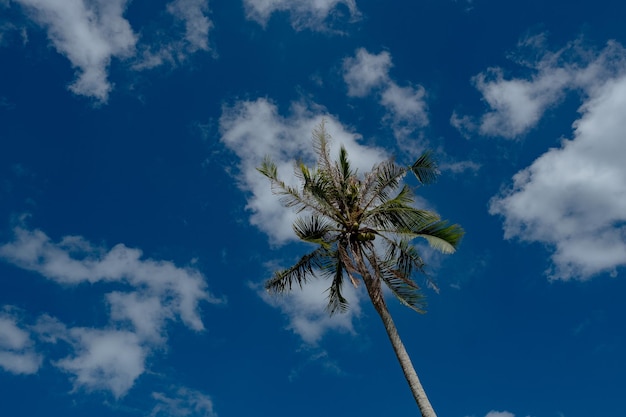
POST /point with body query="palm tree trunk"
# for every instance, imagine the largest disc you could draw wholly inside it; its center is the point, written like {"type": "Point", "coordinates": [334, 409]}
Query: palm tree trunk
{"type": "Point", "coordinates": [403, 357]}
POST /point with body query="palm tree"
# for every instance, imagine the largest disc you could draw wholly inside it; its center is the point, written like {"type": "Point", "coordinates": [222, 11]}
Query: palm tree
{"type": "Point", "coordinates": [363, 226]}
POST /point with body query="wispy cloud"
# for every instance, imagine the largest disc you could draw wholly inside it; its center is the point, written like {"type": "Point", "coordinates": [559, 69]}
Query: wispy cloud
{"type": "Point", "coordinates": [147, 294]}
{"type": "Point", "coordinates": [517, 104]}
{"type": "Point", "coordinates": [366, 73]}
{"type": "Point", "coordinates": [573, 198]}
{"type": "Point", "coordinates": [194, 16]}
{"type": "Point", "coordinates": [89, 34]}
{"type": "Point", "coordinates": [500, 414]}
{"type": "Point", "coordinates": [17, 353]}
{"type": "Point", "coordinates": [182, 403]}
{"type": "Point", "coordinates": [304, 14]}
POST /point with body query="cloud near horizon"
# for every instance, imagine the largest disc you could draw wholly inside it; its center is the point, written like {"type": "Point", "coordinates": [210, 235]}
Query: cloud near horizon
{"type": "Point", "coordinates": [148, 294]}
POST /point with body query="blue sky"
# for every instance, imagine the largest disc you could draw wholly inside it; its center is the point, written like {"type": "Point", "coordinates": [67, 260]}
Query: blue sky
{"type": "Point", "coordinates": [135, 233]}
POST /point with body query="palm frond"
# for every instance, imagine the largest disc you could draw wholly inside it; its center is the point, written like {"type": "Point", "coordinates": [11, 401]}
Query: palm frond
{"type": "Point", "coordinates": [425, 168]}
{"type": "Point", "coordinates": [313, 229]}
{"type": "Point", "coordinates": [336, 301]}
{"type": "Point", "coordinates": [299, 274]}
{"type": "Point", "coordinates": [440, 235]}
{"type": "Point", "coordinates": [381, 181]}
{"type": "Point", "coordinates": [409, 295]}
{"type": "Point", "coordinates": [399, 218]}
{"type": "Point", "coordinates": [401, 285]}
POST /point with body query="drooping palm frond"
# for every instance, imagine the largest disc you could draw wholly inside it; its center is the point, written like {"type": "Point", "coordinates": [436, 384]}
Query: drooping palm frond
{"type": "Point", "coordinates": [336, 301]}
{"type": "Point", "coordinates": [441, 235]}
{"type": "Point", "coordinates": [299, 273]}
{"type": "Point", "coordinates": [400, 284]}
{"type": "Point", "coordinates": [409, 295]}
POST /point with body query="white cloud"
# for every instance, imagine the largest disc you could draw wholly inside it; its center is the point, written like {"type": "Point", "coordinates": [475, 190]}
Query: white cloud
{"type": "Point", "coordinates": [304, 14]}
{"type": "Point", "coordinates": [193, 14]}
{"type": "Point", "coordinates": [17, 354]}
{"type": "Point", "coordinates": [89, 34]}
{"type": "Point", "coordinates": [148, 293]}
{"type": "Point", "coordinates": [366, 71]}
{"type": "Point", "coordinates": [73, 261]}
{"type": "Point", "coordinates": [516, 105]}
{"type": "Point", "coordinates": [406, 108]}
{"type": "Point", "coordinates": [254, 129]}
{"type": "Point", "coordinates": [197, 24]}
{"type": "Point", "coordinates": [305, 309]}
{"type": "Point", "coordinates": [184, 402]}
{"type": "Point", "coordinates": [574, 197]}
{"type": "Point", "coordinates": [499, 414]}
{"type": "Point", "coordinates": [105, 360]}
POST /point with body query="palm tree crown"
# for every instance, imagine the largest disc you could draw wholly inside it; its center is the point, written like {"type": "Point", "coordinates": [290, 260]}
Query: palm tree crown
{"type": "Point", "coordinates": [363, 226]}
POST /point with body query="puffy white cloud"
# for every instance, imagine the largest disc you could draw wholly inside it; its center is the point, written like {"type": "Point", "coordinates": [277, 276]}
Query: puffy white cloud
{"type": "Point", "coordinates": [89, 34]}
{"type": "Point", "coordinates": [574, 197]}
{"type": "Point", "coordinates": [304, 14]}
{"type": "Point", "coordinates": [516, 105]}
{"type": "Point", "coordinates": [147, 294]}
{"type": "Point", "coordinates": [105, 359]}
{"type": "Point", "coordinates": [184, 402]}
{"type": "Point", "coordinates": [17, 354]}
{"type": "Point", "coordinates": [366, 71]}
{"type": "Point", "coordinates": [254, 129]}
{"type": "Point", "coordinates": [406, 108]}
{"type": "Point", "coordinates": [73, 261]}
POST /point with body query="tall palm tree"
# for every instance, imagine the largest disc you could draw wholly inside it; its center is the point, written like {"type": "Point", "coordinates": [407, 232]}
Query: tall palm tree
{"type": "Point", "coordinates": [363, 226]}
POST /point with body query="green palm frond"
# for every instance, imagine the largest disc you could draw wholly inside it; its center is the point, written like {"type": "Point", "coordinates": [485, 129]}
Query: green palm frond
{"type": "Point", "coordinates": [440, 235]}
{"type": "Point", "coordinates": [299, 274]}
{"type": "Point", "coordinates": [313, 229]}
{"type": "Point", "coordinates": [399, 219]}
{"type": "Point", "coordinates": [381, 181]}
{"type": "Point", "coordinates": [404, 255]}
{"type": "Point", "coordinates": [336, 301]}
{"type": "Point", "coordinates": [345, 214]}
{"type": "Point", "coordinates": [400, 284]}
{"type": "Point", "coordinates": [425, 168]}
{"type": "Point", "coordinates": [408, 294]}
